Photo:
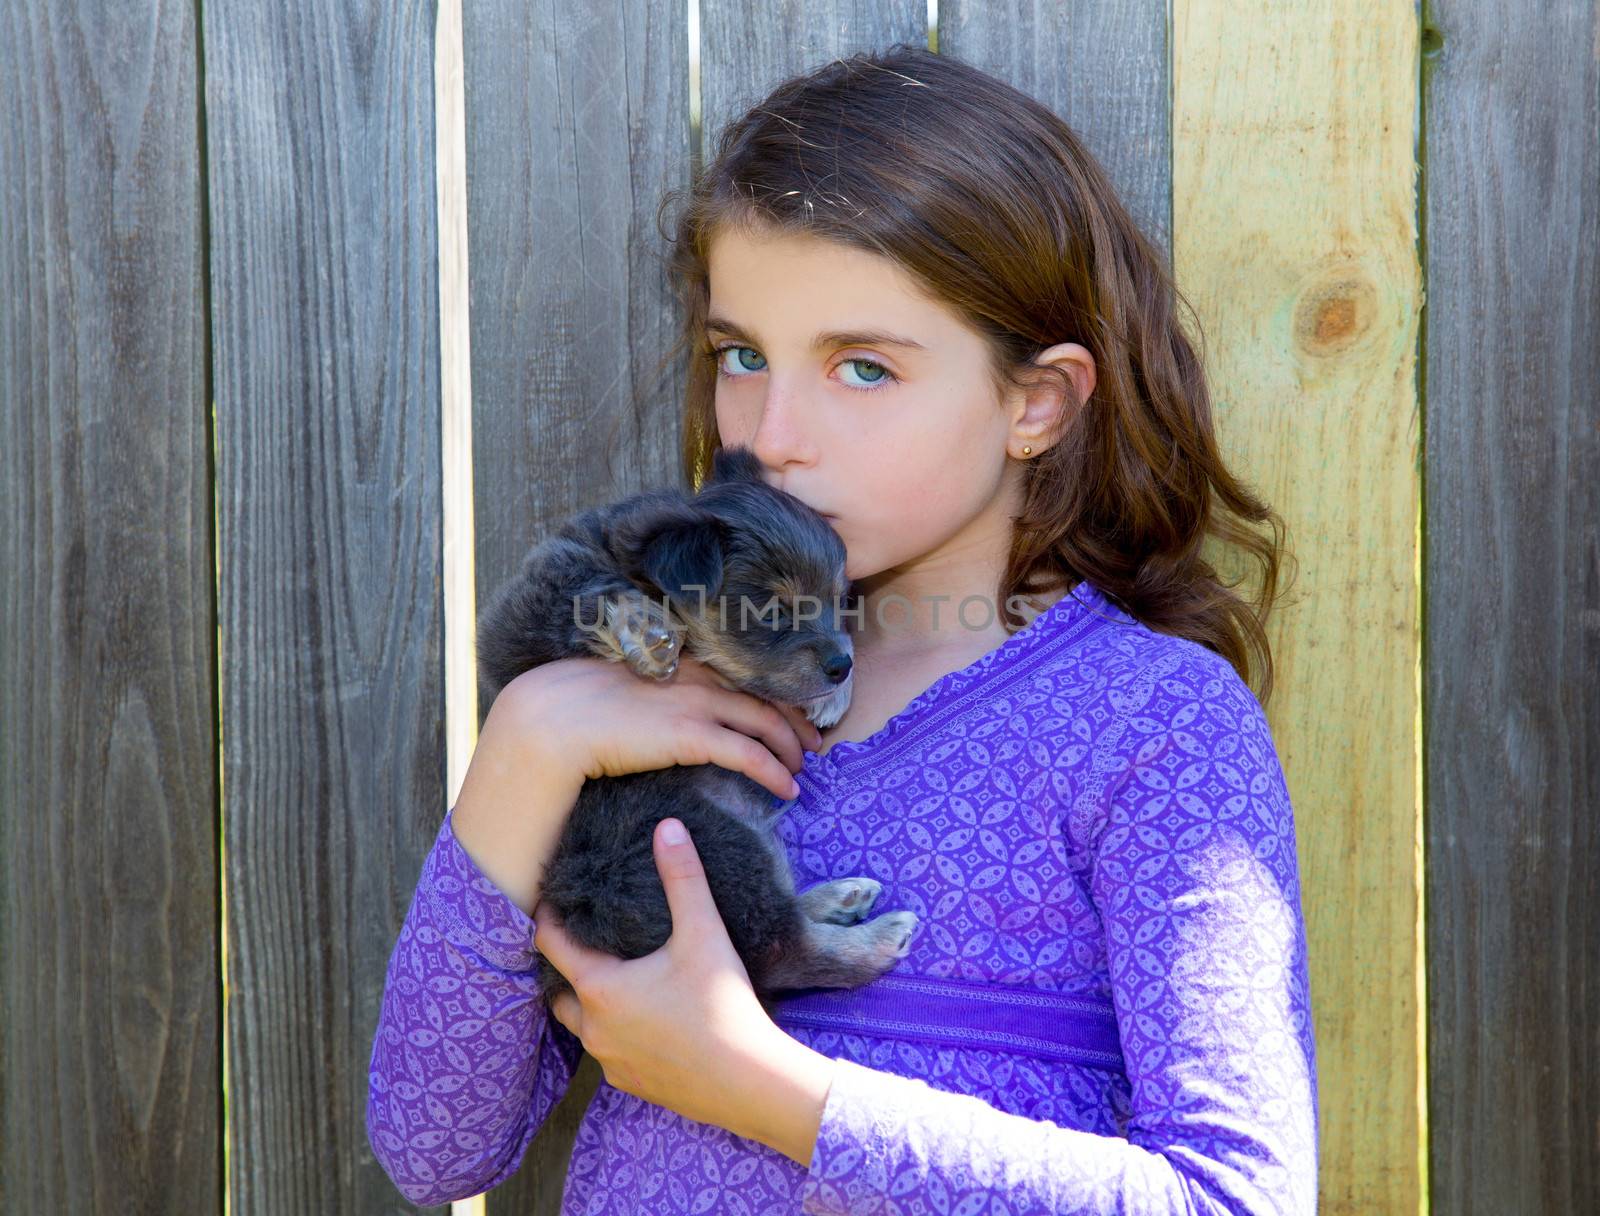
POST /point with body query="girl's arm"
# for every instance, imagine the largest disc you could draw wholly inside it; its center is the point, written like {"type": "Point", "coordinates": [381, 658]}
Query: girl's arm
{"type": "Point", "coordinates": [1196, 880]}
{"type": "Point", "coordinates": [466, 1062]}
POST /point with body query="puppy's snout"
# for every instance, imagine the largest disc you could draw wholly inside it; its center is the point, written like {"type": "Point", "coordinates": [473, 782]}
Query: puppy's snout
{"type": "Point", "coordinates": [836, 667]}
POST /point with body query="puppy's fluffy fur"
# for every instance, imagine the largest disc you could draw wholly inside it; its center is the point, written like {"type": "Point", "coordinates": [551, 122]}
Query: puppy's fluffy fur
{"type": "Point", "coordinates": [640, 582]}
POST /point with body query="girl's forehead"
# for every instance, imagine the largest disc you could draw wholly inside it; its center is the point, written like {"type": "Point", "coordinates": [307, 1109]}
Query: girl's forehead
{"type": "Point", "coordinates": [794, 280]}
{"type": "Point", "coordinates": [739, 254]}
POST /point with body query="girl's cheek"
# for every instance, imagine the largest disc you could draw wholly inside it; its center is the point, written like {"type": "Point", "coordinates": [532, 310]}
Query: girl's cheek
{"type": "Point", "coordinates": [732, 430]}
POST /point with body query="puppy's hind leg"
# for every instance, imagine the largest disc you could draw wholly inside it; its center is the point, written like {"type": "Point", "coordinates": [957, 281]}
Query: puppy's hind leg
{"type": "Point", "coordinates": [844, 901]}
{"type": "Point", "coordinates": [841, 956]}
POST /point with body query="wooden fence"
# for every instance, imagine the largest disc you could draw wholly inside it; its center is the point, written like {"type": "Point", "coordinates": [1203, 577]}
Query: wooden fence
{"type": "Point", "coordinates": [246, 508]}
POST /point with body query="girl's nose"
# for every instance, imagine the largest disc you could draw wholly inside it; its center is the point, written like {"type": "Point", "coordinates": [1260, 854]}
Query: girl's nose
{"type": "Point", "coordinates": [780, 436]}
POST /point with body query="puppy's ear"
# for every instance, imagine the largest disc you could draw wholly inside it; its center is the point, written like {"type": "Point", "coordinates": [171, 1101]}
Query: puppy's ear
{"type": "Point", "coordinates": [683, 558]}
{"type": "Point", "coordinates": [734, 464]}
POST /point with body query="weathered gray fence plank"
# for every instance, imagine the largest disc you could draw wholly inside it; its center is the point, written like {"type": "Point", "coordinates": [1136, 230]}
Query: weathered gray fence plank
{"type": "Point", "coordinates": [325, 328]}
{"type": "Point", "coordinates": [748, 50]}
{"type": "Point", "coordinates": [110, 1011]}
{"type": "Point", "coordinates": [1512, 606]}
{"type": "Point", "coordinates": [577, 125]}
{"type": "Point", "coordinates": [1102, 66]}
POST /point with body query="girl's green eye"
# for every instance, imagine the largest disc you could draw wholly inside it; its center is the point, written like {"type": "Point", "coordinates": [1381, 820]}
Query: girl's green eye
{"type": "Point", "coordinates": [742, 350]}
{"type": "Point", "coordinates": [880, 369]}
{"type": "Point", "coordinates": [879, 376]}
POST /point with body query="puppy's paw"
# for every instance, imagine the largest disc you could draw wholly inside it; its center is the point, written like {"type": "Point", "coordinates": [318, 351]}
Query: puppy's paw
{"type": "Point", "coordinates": [844, 901]}
{"type": "Point", "coordinates": [891, 933]}
{"type": "Point", "coordinates": [646, 637]}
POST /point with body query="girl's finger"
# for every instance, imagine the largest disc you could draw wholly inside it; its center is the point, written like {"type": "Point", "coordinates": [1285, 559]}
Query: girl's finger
{"type": "Point", "coordinates": [709, 742]}
{"type": "Point", "coordinates": [804, 728]}
{"type": "Point", "coordinates": [570, 957]}
{"type": "Point", "coordinates": [545, 933]}
{"type": "Point", "coordinates": [565, 1009]}
{"type": "Point", "coordinates": [761, 720]}
{"type": "Point", "coordinates": [785, 729]}
{"type": "Point", "coordinates": [551, 940]}
{"type": "Point", "coordinates": [755, 761]}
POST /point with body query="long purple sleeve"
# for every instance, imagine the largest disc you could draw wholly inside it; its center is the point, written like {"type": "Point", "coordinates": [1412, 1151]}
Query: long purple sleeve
{"type": "Point", "coordinates": [466, 1062]}
{"type": "Point", "coordinates": [1193, 871]}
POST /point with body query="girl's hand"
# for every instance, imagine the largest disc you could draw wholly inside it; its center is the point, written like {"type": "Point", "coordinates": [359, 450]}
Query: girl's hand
{"type": "Point", "coordinates": [683, 1027]}
{"type": "Point", "coordinates": [604, 720]}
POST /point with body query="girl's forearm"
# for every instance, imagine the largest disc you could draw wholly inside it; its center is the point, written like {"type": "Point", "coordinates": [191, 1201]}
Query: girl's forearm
{"type": "Point", "coordinates": [788, 1090]}
{"type": "Point", "coordinates": [455, 935]}
{"type": "Point", "coordinates": [514, 802]}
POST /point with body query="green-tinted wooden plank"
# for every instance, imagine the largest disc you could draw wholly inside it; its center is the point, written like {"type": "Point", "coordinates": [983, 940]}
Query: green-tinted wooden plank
{"type": "Point", "coordinates": [1295, 215]}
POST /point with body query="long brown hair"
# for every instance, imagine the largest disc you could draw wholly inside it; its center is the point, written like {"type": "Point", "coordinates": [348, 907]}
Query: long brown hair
{"type": "Point", "coordinates": [999, 208]}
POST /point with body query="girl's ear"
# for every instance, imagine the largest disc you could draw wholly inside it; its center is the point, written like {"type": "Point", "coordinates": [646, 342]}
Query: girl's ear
{"type": "Point", "coordinates": [1044, 411]}
{"type": "Point", "coordinates": [734, 464]}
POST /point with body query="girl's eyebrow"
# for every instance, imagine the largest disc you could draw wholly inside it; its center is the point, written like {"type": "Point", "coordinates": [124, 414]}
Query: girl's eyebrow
{"type": "Point", "coordinates": [837, 337]}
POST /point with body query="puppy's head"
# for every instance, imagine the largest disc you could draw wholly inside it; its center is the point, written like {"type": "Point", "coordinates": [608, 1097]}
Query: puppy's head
{"type": "Point", "coordinates": [757, 578]}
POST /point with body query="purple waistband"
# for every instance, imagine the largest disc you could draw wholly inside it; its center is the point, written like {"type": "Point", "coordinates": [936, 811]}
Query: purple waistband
{"type": "Point", "coordinates": [964, 1013]}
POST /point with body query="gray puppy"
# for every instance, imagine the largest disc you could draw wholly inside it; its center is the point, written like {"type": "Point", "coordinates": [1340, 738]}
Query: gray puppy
{"type": "Point", "coordinates": [749, 580]}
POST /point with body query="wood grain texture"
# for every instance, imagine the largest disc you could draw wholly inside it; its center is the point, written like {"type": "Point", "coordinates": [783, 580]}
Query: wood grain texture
{"type": "Point", "coordinates": [110, 1006]}
{"type": "Point", "coordinates": [1512, 579]}
{"type": "Point", "coordinates": [1099, 64]}
{"type": "Point", "coordinates": [325, 345]}
{"type": "Point", "coordinates": [1295, 222]}
{"type": "Point", "coordinates": [747, 50]}
{"type": "Point", "coordinates": [577, 124]}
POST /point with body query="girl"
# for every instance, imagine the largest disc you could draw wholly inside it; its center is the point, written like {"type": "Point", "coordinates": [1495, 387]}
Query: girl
{"type": "Point", "coordinates": [918, 300]}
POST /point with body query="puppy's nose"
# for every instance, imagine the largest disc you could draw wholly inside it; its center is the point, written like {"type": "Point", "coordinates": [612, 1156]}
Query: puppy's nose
{"type": "Point", "coordinates": [837, 667]}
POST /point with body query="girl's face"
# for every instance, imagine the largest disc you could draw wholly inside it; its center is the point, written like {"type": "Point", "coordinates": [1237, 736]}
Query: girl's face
{"type": "Point", "coordinates": [862, 397]}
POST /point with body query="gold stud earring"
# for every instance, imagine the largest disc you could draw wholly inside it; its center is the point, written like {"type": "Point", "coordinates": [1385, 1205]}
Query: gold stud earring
{"type": "Point", "coordinates": [1027, 451]}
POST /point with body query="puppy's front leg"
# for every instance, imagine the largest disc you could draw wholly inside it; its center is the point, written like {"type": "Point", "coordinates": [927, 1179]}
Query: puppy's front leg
{"type": "Point", "coordinates": [634, 629]}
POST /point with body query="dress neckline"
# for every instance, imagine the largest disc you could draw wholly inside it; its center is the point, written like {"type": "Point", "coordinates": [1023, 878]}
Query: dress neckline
{"type": "Point", "coordinates": [1083, 599]}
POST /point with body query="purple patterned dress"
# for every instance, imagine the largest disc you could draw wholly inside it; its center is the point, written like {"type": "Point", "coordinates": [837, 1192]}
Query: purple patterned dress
{"type": "Point", "coordinates": [1105, 1007]}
